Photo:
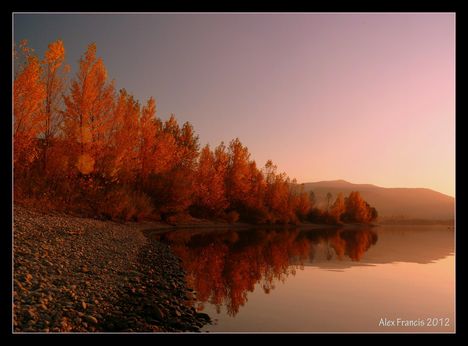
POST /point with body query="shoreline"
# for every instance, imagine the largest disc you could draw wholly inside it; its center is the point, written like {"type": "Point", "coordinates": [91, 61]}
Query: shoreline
{"type": "Point", "coordinates": [83, 275]}
{"type": "Point", "coordinates": [203, 224]}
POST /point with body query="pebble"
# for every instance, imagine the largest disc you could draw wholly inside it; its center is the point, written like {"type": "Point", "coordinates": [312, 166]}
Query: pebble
{"type": "Point", "coordinates": [158, 313]}
{"type": "Point", "coordinates": [112, 273]}
{"type": "Point", "coordinates": [91, 319]}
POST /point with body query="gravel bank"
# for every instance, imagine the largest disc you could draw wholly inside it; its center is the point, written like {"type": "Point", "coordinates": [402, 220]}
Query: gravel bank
{"type": "Point", "coordinates": [75, 274]}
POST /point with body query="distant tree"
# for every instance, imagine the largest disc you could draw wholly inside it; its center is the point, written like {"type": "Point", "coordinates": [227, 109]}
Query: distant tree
{"type": "Point", "coordinates": [277, 195]}
{"type": "Point", "coordinates": [312, 198]}
{"type": "Point", "coordinates": [329, 197]}
{"type": "Point", "coordinates": [373, 213]}
{"type": "Point", "coordinates": [338, 208]}
{"type": "Point", "coordinates": [357, 210]}
{"type": "Point", "coordinates": [303, 205]}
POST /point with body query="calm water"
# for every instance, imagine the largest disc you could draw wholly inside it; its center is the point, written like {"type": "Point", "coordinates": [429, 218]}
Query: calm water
{"type": "Point", "coordinates": [322, 280]}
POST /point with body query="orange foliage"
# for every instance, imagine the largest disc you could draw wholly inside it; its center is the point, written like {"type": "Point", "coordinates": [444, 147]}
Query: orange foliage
{"type": "Point", "coordinates": [88, 110]}
{"type": "Point", "coordinates": [28, 99]}
{"type": "Point", "coordinates": [210, 194]}
{"type": "Point", "coordinates": [237, 179]}
{"type": "Point", "coordinates": [148, 128]}
{"type": "Point", "coordinates": [357, 210]}
{"type": "Point", "coordinates": [94, 144]}
{"type": "Point", "coordinates": [124, 138]}
{"type": "Point", "coordinates": [54, 82]}
{"type": "Point", "coordinates": [338, 208]}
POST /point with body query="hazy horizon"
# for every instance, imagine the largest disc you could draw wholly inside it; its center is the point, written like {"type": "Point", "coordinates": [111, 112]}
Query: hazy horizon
{"type": "Point", "coordinates": [365, 98]}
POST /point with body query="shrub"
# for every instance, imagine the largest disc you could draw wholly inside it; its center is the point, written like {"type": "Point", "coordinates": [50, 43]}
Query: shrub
{"type": "Point", "coordinates": [124, 204]}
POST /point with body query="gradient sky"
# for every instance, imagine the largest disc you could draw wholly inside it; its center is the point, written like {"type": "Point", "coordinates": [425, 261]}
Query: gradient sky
{"type": "Point", "coordinates": [369, 98]}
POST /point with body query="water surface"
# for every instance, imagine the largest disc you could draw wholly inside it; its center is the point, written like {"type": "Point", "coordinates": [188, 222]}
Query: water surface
{"type": "Point", "coordinates": [381, 279]}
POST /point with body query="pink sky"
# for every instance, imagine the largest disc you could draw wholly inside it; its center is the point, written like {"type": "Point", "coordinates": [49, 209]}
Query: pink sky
{"type": "Point", "coordinates": [369, 98]}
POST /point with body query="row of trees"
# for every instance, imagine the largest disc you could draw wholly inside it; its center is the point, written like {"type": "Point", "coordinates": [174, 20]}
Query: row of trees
{"type": "Point", "coordinates": [82, 146]}
{"type": "Point", "coordinates": [344, 210]}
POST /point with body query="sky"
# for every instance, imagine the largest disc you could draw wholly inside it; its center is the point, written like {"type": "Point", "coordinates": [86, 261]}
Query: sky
{"type": "Point", "coordinates": [368, 98]}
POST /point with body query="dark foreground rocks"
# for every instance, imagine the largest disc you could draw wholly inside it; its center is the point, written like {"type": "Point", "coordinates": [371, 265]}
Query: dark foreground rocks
{"type": "Point", "coordinates": [83, 275]}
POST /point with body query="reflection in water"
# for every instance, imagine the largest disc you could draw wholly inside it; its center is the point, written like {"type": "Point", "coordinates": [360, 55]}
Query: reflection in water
{"type": "Point", "coordinates": [223, 266]}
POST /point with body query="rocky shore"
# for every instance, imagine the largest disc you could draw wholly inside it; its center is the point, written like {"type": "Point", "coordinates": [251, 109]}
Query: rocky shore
{"type": "Point", "coordinates": [75, 274]}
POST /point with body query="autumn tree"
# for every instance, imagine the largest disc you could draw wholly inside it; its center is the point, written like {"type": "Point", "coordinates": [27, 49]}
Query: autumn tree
{"type": "Point", "coordinates": [166, 146]}
{"type": "Point", "coordinates": [357, 209]}
{"type": "Point", "coordinates": [189, 146]}
{"type": "Point", "coordinates": [278, 195]}
{"type": "Point", "coordinates": [312, 198]}
{"type": "Point", "coordinates": [29, 94]}
{"type": "Point", "coordinates": [329, 197]}
{"type": "Point", "coordinates": [122, 194]}
{"type": "Point", "coordinates": [54, 80]}
{"type": "Point", "coordinates": [183, 174]}
{"type": "Point", "coordinates": [162, 162]}
{"type": "Point", "coordinates": [88, 113]}
{"type": "Point", "coordinates": [148, 130]}
{"type": "Point", "coordinates": [173, 187]}
{"type": "Point", "coordinates": [303, 204]}
{"type": "Point", "coordinates": [125, 140]}
{"type": "Point", "coordinates": [221, 163]}
{"type": "Point", "coordinates": [315, 214]}
{"type": "Point", "coordinates": [373, 213]}
{"type": "Point", "coordinates": [255, 198]}
{"type": "Point", "coordinates": [210, 198]}
{"type": "Point", "coordinates": [237, 177]}
{"type": "Point", "coordinates": [338, 208]}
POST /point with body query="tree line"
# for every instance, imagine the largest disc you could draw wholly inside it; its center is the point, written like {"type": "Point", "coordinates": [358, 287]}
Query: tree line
{"type": "Point", "coordinates": [82, 146]}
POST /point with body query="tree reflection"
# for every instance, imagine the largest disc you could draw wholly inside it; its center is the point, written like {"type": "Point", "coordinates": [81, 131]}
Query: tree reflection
{"type": "Point", "coordinates": [224, 266]}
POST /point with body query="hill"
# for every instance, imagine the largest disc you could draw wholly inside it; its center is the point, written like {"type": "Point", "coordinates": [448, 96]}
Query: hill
{"type": "Point", "coordinates": [391, 203]}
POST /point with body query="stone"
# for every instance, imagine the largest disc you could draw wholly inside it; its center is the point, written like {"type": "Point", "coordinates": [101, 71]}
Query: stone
{"type": "Point", "coordinates": [158, 313]}
{"type": "Point", "coordinates": [91, 319]}
{"type": "Point", "coordinates": [203, 316]}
